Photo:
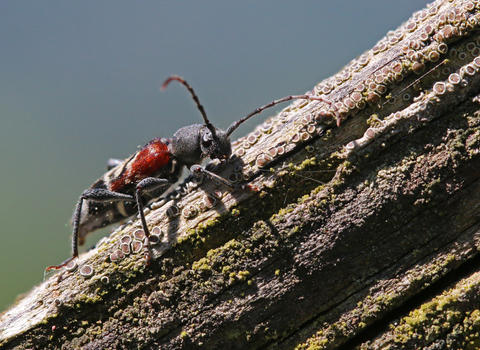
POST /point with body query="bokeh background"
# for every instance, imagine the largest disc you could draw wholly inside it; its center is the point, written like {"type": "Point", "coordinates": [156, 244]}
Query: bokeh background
{"type": "Point", "coordinates": [79, 83]}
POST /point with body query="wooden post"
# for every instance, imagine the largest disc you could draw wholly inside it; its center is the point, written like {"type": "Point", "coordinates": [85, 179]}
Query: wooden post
{"type": "Point", "coordinates": [361, 235]}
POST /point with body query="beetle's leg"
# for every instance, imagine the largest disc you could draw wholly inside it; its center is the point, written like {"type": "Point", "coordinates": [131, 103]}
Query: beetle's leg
{"type": "Point", "coordinates": [199, 170]}
{"type": "Point", "coordinates": [97, 195]}
{"type": "Point", "coordinates": [148, 185]}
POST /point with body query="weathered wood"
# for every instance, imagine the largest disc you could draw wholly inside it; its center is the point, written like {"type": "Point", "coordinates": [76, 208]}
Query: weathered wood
{"type": "Point", "coordinates": [341, 227]}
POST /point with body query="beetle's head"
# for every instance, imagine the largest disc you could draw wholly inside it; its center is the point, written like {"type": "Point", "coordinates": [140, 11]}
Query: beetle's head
{"type": "Point", "coordinates": [215, 145]}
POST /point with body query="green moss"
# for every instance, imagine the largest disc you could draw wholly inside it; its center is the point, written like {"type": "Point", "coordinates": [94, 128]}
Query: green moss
{"type": "Point", "coordinates": [373, 120]}
{"type": "Point", "coordinates": [243, 275]}
{"type": "Point", "coordinates": [201, 265]}
{"type": "Point", "coordinates": [327, 135]}
{"type": "Point", "coordinates": [216, 257]}
{"type": "Point", "coordinates": [303, 199]}
{"type": "Point", "coordinates": [438, 317]}
{"type": "Point", "coordinates": [89, 299]}
{"type": "Point", "coordinates": [232, 276]}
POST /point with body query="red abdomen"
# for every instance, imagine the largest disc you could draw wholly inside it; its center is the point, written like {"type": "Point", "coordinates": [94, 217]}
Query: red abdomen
{"type": "Point", "coordinates": [145, 163]}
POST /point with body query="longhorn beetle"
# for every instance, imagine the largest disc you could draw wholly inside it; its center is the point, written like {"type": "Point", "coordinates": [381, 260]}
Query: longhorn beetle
{"type": "Point", "coordinates": [130, 184]}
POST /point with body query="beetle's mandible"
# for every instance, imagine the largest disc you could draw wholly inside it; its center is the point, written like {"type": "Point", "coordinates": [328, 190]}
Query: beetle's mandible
{"type": "Point", "coordinates": [130, 184]}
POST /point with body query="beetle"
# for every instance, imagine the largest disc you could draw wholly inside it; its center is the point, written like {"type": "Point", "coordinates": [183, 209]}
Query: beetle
{"type": "Point", "coordinates": [130, 184]}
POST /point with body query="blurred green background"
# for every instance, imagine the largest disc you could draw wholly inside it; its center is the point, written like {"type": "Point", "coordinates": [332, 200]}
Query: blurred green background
{"type": "Point", "coordinates": [79, 83]}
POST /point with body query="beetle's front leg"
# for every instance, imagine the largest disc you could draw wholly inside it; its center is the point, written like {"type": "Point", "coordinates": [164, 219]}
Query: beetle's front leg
{"type": "Point", "coordinates": [199, 170]}
{"type": "Point", "coordinates": [148, 185]}
{"type": "Point", "coordinates": [97, 195]}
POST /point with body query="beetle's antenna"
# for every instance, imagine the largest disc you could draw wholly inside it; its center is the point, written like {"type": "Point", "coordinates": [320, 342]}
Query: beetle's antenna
{"type": "Point", "coordinates": [237, 123]}
{"type": "Point", "coordinates": [195, 98]}
{"type": "Point", "coordinates": [445, 61]}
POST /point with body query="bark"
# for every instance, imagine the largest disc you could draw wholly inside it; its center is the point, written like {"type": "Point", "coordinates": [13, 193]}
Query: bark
{"type": "Point", "coordinates": [363, 235]}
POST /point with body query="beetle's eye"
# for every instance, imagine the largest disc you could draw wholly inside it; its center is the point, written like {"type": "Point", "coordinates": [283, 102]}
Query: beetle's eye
{"type": "Point", "coordinates": [207, 141]}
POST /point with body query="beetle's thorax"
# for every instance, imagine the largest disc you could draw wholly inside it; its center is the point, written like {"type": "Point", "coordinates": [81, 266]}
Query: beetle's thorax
{"type": "Point", "coordinates": [192, 144]}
